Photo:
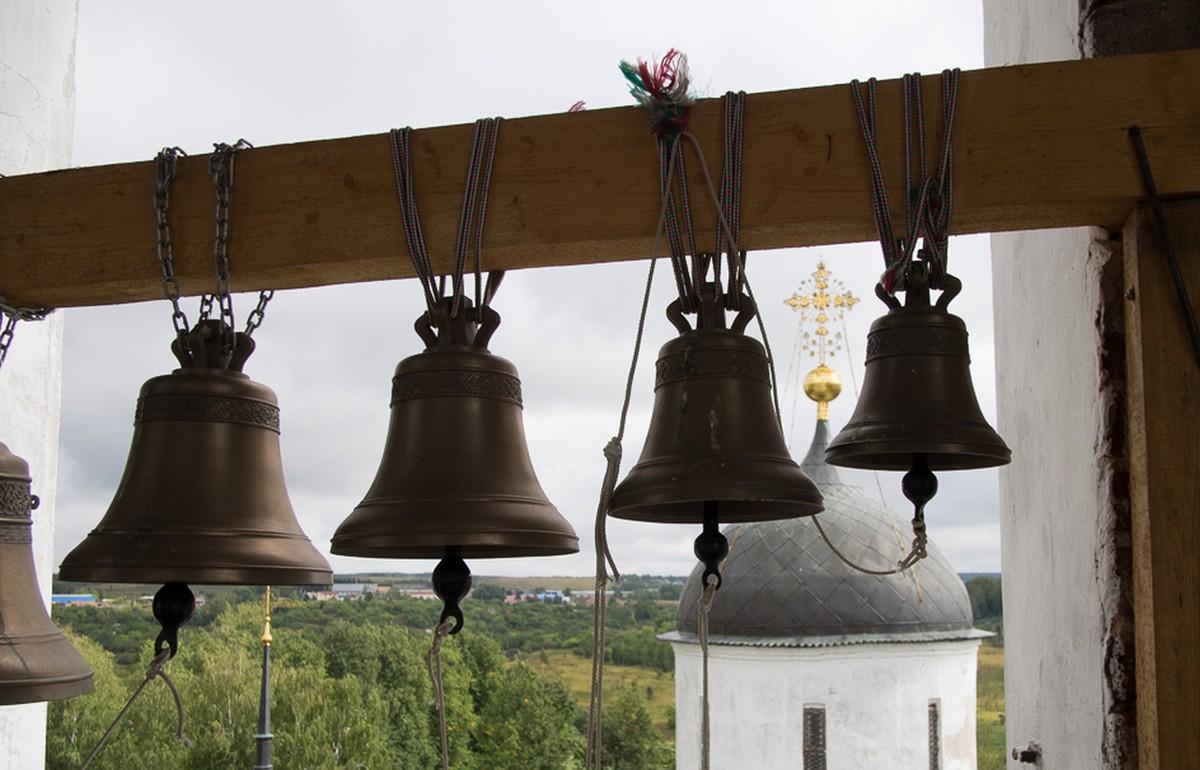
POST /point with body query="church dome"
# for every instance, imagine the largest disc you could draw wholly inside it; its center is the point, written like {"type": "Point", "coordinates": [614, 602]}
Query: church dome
{"type": "Point", "coordinates": [783, 585]}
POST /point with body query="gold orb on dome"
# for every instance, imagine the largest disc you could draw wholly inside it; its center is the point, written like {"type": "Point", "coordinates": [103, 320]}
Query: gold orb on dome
{"type": "Point", "coordinates": [822, 385]}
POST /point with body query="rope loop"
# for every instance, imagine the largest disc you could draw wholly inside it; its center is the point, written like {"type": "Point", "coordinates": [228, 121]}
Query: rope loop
{"type": "Point", "coordinates": [433, 660]}
{"type": "Point", "coordinates": [472, 218]}
{"type": "Point", "coordinates": [928, 197]}
{"type": "Point", "coordinates": [155, 669]}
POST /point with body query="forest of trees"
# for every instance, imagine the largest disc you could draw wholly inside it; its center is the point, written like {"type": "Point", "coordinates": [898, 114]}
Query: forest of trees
{"type": "Point", "coordinates": [351, 689]}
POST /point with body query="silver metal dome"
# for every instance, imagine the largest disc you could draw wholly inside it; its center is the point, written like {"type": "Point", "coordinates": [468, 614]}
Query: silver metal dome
{"type": "Point", "coordinates": [783, 586]}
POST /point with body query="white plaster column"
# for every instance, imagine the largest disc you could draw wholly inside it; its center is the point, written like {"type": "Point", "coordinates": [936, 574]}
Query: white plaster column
{"type": "Point", "coordinates": [1056, 505]}
{"type": "Point", "coordinates": [37, 117]}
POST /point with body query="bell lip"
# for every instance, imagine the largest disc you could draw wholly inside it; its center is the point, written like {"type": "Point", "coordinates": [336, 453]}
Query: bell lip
{"type": "Point", "coordinates": [433, 545]}
{"type": "Point", "coordinates": [47, 688]}
{"type": "Point", "coordinates": [897, 455]}
{"type": "Point", "coordinates": [666, 507]}
{"type": "Point", "coordinates": [232, 575]}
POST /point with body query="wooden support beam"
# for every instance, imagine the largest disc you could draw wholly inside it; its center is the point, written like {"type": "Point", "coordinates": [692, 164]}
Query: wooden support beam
{"type": "Point", "coordinates": [1164, 452]}
{"type": "Point", "coordinates": [1037, 146]}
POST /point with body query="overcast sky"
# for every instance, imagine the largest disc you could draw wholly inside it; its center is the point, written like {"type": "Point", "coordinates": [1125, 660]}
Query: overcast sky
{"type": "Point", "coordinates": [159, 73]}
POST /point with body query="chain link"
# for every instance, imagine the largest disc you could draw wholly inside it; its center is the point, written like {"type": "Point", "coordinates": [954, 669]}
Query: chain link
{"type": "Point", "coordinates": [165, 164]}
{"type": "Point", "coordinates": [255, 319]}
{"type": "Point", "coordinates": [9, 315]}
{"type": "Point", "coordinates": [6, 336]}
{"type": "Point", "coordinates": [220, 167]}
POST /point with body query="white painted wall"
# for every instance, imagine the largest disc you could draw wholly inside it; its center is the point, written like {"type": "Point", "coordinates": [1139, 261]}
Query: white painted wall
{"type": "Point", "coordinates": [1054, 512]}
{"type": "Point", "coordinates": [37, 116]}
{"type": "Point", "coordinates": [876, 699]}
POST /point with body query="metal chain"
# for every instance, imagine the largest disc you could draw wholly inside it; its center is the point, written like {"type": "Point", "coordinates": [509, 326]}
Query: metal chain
{"type": "Point", "coordinates": [255, 319]}
{"type": "Point", "coordinates": [220, 168]}
{"type": "Point", "coordinates": [165, 165]}
{"type": "Point", "coordinates": [9, 315]}
{"type": "Point", "coordinates": [6, 335]}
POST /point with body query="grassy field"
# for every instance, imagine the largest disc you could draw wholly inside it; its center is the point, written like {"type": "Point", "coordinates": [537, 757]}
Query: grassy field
{"type": "Point", "coordinates": [989, 727]}
{"type": "Point", "coordinates": [577, 673]}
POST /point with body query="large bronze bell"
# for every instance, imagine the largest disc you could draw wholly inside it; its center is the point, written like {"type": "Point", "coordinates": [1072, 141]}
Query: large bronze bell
{"type": "Point", "coordinates": [918, 406]}
{"type": "Point", "coordinates": [455, 472]}
{"type": "Point", "coordinates": [455, 479]}
{"type": "Point", "coordinates": [714, 445]}
{"type": "Point", "coordinates": [37, 663]}
{"type": "Point", "coordinates": [202, 499]}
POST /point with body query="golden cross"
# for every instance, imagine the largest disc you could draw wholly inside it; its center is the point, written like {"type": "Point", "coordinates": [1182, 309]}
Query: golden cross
{"type": "Point", "coordinates": [814, 302]}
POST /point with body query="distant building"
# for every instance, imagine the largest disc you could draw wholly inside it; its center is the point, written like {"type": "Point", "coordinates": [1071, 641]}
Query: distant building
{"type": "Point", "coordinates": [813, 664]}
{"type": "Point", "coordinates": [74, 600]}
{"type": "Point", "coordinates": [351, 589]}
{"type": "Point", "coordinates": [343, 592]}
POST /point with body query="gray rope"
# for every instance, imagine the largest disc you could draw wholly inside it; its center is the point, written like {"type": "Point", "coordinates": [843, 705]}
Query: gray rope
{"type": "Point", "coordinates": [915, 554]}
{"type": "Point", "coordinates": [433, 660]}
{"type": "Point", "coordinates": [473, 215]}
{"type": "Point", "coordinates": [741, 267]}
{"type": "Point", "coordinates": [154, 670]}
{"type": "Point", "coordinates": [703, 608]}
{"type": "Point", "coordinates": [594, 757]}
{"type": "Point", "coordinates": [414, 236]}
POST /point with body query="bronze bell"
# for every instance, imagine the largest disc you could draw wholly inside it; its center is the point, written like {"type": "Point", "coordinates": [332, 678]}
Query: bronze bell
{"type": "Point", "coordinates": [918, 406]}
{"type": "Point", "coordinates": [714, 447]}
{"type": "Point", "coordinates": [456, 472]}
{"type": "Point", "coordinates": [202, 499]}
{"type": "Point", "coordinates": [37, 662]}
{"type": "Point", "coordinates": [456, 479]}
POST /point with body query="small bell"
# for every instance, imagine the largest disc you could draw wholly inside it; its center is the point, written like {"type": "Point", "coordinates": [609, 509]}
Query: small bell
{"type": "Point", "coordinates": [202, 499]}
{"type": "Point", "coordinates": [714, 451]}
{"type": "Point", "coordinates": [37, 662]}
{"type": "Point", "coordinates": [456, 480]}
{"type": "Point", "coordinates": [918, 405]}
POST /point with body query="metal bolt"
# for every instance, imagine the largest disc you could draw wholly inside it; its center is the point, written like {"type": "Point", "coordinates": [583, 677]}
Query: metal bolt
{"type": "Point", "coordinates": [1031, 754]}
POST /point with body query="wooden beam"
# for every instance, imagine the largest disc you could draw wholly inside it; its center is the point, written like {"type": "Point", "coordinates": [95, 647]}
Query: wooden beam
{"type": "Point", "coordinates": [1037, 146]}
{"type": "Point", "coordinates": [1164, 451]}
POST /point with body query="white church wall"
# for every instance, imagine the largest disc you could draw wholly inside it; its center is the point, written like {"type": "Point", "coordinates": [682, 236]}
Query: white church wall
{"type": "Point", "coordinates": [37, 116]}
{"type": "Point", "coordinates": [876, 699]}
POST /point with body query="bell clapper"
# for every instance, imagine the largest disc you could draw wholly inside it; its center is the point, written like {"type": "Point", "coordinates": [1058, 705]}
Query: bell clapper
{"type": "Point", "coordinates": [711, 547]}
{"type": "Point", "coordinates": [452, 583]}
{"type": "Point", "coordinates": [173, 606]}
{"type": "Point", "coordinates": [919, 486]}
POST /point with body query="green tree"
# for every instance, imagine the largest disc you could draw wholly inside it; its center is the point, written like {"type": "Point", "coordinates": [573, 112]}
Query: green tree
{"type": "Point", "coordinates": [527, 722]}
{"type": "Point", "coordinates": [630, 740]}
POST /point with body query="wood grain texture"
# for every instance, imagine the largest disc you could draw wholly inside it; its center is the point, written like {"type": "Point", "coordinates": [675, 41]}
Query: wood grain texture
{"type": "Point", "coordinates": [1037, 146]}
{"type": "Point", "coordinates": [1164, 451]}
